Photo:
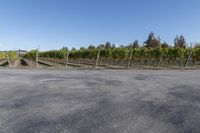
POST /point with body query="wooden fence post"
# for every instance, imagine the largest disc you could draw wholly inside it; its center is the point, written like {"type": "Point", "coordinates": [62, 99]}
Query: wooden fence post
{"type": "Point", "coordinates": [8, 60]}
{"type": "Point", "coordinates": [67, 59]}
{"type": "Point", "coordinates": [129, 61]}
{"type": "Point", "coordinates": [159, 62]}
{"type": "Point", "coordinates": [36, 58]}
{"type": "Point", "coordinates": [187, 61]}
{"type": "Point", "coordinates": [97, 60]}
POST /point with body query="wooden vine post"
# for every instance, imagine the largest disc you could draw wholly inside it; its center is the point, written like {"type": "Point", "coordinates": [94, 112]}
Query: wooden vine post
{"type": "Point", "coordinates": [97, 59]}
{"type": "Point", "coordinates": [129, 60]}
{"type": "Point", "coordinates": [36, 58]}
{"type": "Point", "coordinates": [187, 61]}
{"type": "Point", "coordinates": [8, 60]}
{"type": "Point", "coordinates": [190, 54]}
{"type": "Point", "coordinates": [159, 61]}
{"type": "Point", "coordinates": [67, 59]}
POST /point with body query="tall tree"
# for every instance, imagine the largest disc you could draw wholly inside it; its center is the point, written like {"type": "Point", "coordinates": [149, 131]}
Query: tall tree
{"type": "Point", "coordinates": [121, 46]}
{"type": "Point", "coordinates": [65, 48]}
{"type": "Point", "coordinates": [73, 48]}
{"type": "Point", "coordinates": [108, 45]}
{"type": "Point", "coordinates": [91, 47]}
{"type": "Point", "coordinates": [136, 44]}
{"type": "Point", "coordinates": [113, 46]}
{"type": "Point", "coordinates": [82, 48]}
{"type": "Point", "coordinates": [179, 42]}
{"type": "Point", "coordinates": [129, 46]}
{"type": "Point", "coordinates": [165, 45]}
{"type": "Point", "coordinates": [197, 45]}
{"type": "Point", "coordinates": [152, 41]}
{"type": "Point", "coordinates": [101, 46]}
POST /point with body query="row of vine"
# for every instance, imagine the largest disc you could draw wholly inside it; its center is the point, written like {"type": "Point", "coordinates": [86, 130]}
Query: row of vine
{"type": "Point", "coordinates": [121, 53]}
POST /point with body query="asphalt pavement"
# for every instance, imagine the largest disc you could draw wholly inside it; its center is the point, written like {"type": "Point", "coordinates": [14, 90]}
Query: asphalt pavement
{"type": "Point", "coordinates": [105, 101]}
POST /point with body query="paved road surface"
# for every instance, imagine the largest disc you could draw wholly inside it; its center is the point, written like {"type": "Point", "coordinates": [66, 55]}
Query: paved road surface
{"type": "Point", "coordinates": [42, 101]}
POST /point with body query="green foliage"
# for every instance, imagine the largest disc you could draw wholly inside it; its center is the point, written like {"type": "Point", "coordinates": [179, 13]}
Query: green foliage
{"type": "Point", "coordinates": [31, 55]}
{"type": "Point", "coordinates": [106, 53]}
{"type": "Point", "coordinates": [59, 54]}
{"type": "Point", "coordinates": [84, 53]}
{"type": "Point", "coordinates": [120, 53]}
{"type": "Point", "coordinates": [196, 54]}
{"type": "Point", "coordinates": [176, 53]}
{"type": "Point", "coordinates": [142, 53]}
{"type": "Point", "coordinates": [157, 52]}
{"type": "Point", "coordinates": [2, 55]}
{"type": "Point", "coordinates": [136, 53]}
{"type": "Point", "coordinates": [179, 53]}
{"type": "Point", "coordinates": [12, 55]}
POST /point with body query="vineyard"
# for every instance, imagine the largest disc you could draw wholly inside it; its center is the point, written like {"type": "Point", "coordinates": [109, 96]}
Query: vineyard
{"type": "Point", "coordinates": [108, 58]}
{"type": "Point", "coordinates": [123, 57]}
{"type": "Point", "coordinates": [8, 58]}
{"type": "Point", "coordinates": [2, 56]}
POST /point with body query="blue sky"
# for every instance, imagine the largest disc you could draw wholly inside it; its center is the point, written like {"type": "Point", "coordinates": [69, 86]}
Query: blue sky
{"type": "Point", "coordinates": [52, 24]}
